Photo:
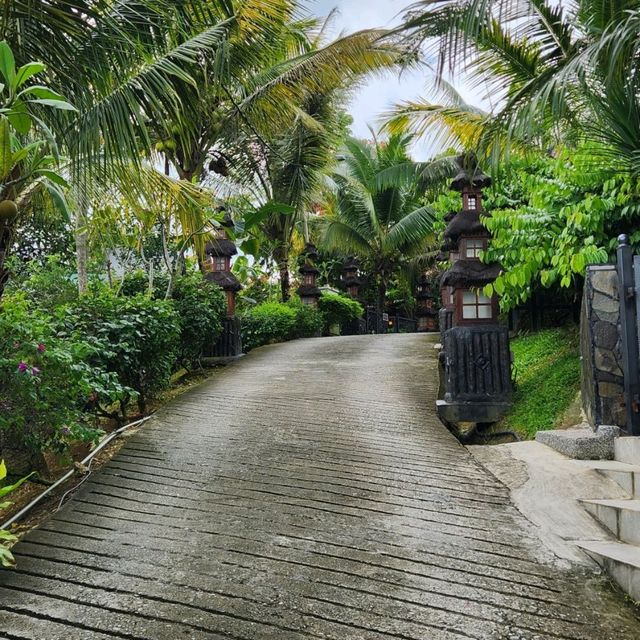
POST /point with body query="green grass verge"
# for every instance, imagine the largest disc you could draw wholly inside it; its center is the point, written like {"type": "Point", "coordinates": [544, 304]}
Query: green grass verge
{"type": "Point", "coordinates": [547, 372]}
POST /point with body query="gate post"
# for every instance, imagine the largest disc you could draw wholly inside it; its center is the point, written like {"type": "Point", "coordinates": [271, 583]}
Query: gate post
{"type": "Point", "coordinates": [629, 303]}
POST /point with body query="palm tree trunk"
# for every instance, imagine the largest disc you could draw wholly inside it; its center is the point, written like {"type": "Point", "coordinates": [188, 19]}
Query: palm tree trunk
{"type": "Point", "coordinates": [281, 256]}
{"type": "Point", "coordinates": [382, 294]}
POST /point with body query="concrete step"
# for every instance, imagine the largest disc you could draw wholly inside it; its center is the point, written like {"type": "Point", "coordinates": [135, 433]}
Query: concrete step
{"type": "Point", "coordinates": [625, 475]}
{"type": "Point", "coordinates": [621, 517]}
{"type": "Point", "coordinates": [627, 449]}
{"type": "Point", "coordinates": [621, 561]}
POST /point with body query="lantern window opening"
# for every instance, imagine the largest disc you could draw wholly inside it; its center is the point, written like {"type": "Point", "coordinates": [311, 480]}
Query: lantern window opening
{"type": "Point", "coordinates": [476, 306]}
{"type": "Point", "coordinates": [309, 279]}
{"type": "Point", "coordinates": [472, 202]}
{"type": "Point", "coordinates": [353, 291]}
{"type": "Point", "coordinates": [474, 247]}
{"type": "Point", "coordinates": [219, 263]}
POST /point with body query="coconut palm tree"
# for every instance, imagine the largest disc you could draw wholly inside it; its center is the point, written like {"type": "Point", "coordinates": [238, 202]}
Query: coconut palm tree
{"type": "Point", "coordinates": [286, 170]}
{"type": "Point", "coordinates": [553, 71]}
{"type": "Point", "coordinates": [376, 210]}
{"type": "Point", "coordinates": [142, 72]}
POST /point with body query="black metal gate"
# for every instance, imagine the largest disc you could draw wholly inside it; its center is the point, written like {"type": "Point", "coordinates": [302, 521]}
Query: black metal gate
{"type": "Point", "coordinates": [629, 292]}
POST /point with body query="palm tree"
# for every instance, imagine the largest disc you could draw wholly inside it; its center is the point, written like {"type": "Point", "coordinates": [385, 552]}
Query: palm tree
{"type": "Point", "coordinates": [143, 71]}
{"type": "Point", "coordinates": [376, 210]}
{"type": "Point", "coordinates": [286, 170]}
{"type": "Point", "coordinates": [554, 71]}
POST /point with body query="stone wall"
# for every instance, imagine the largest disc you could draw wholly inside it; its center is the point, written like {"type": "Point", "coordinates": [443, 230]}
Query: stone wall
{"type": "Point", "coordinates": [600, 346]}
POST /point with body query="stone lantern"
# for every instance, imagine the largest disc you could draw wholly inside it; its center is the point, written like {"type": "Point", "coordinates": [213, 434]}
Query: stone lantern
{"type": "Point", "coordinates": [308, 290]}
{"type": "Point", "coordinates": [219, 252]}
{"type": "Point", "coordinates": [217, 267]}
{"type": "Point", "coordinates": [426, 311]}
{"type": "Point", "coordinates": [476, 384]}
{"type": "Point", "coordinates": [351, 279]}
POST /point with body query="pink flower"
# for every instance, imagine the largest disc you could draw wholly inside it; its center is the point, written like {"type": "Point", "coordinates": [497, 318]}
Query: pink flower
{"type": "Point", "coordinates": [35, 371]}
{"type": "Point", "coordinates": [23, 367]}
{"type": "Point", "coordinates": [41, 347]}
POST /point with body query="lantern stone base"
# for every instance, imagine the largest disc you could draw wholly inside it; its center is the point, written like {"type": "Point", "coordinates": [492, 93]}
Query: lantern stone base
{"type": "Point", "coordinates": [475, 412]}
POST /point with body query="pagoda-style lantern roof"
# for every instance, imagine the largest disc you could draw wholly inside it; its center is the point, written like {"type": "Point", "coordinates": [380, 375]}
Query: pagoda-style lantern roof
{"type": "Point", "coordinates": [466, 223]}
{"type": "Point", "coordinates": [310, 253]}
{"type": "Point", "coordinates": [470, 177]}
{"type": "Point", "coordinates": [221, 247]}
{"type": "Point", "coordinates": [307, 267]}
{"type": "Point", "coordinates": [470, 273]}
{"type": "Point", "coordinates": [225, 280]}
{"type": "Point", "coordinates": [351, 273]}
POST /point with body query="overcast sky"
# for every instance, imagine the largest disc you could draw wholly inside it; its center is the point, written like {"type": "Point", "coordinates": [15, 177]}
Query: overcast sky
{"type": "Point", "coordinates": [380, 94]}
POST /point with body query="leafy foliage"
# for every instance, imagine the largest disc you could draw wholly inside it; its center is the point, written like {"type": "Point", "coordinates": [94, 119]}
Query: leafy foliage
{"type": "Point", "coordinates": [377, 211]}
{"type": "Point", "coordinates": [339, 310]}
{"type": "Point", "coordinates": [272, 322]}
{"type": "Point", "coordinates": [48, 388]}
{"type": "Point", "coordinates": [6, 538]}
{"type": "Point", "coordinates": [267, 323]}
{"type": "Point", "coordinates": [201, 306]}
{"type": "Point", "coordinates": [139, 339]}
{"type": "Point", "coordinates": [551, 217]}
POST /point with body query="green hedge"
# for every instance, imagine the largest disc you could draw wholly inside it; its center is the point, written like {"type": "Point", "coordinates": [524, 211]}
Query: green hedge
{"type": "Point", "coordinates": [339, 310]}
{"type": "Point", "coordinates": [272, 322]}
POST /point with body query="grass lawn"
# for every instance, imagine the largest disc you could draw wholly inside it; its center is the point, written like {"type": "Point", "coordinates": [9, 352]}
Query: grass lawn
{"type": "Point", "coordinates": [547, 373]}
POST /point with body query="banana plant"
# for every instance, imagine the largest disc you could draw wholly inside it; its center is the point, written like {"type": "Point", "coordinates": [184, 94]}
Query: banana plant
{"type": "Point", "coordinates": [7, 539]}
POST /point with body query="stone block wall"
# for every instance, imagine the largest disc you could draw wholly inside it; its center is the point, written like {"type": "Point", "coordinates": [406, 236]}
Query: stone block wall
{"type": "Point", "coordinates": [600, 346]}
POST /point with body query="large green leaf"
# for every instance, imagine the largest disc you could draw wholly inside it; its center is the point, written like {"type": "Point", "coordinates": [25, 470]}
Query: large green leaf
{"type": "Point", "coordinates": [19, 117]}
{"type": "Point", "coordinates": [7, 64]}
{"type": "Point", "coordinates": [27, 71]}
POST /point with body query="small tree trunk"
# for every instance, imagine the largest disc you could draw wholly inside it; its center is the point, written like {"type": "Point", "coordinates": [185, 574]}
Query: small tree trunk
{"type": "Point", "coordinates": [6, 235]}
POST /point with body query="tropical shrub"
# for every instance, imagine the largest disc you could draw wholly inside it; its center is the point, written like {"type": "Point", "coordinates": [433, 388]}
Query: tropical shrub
{"type": "Point", "coordinates": [51, 282]}
{"type": "Point", "coordinates": [48, 388]}
{"type": "Point", "coordinates": [6, 539]}
{"type": "Point", "coordinates": [339, 310]}
{"type": "Point", "coordinates": [268, 323]}
{"type": "Point", "coordinates": [139, 338]}
{"type": "Point", "coordinates": [201, 307]}
{"type": "Point", "coordinates": [309, 321]}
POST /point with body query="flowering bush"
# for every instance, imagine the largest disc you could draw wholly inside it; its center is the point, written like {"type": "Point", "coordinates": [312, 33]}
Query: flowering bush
{"type": "Point", "coordinates": [48, 393]}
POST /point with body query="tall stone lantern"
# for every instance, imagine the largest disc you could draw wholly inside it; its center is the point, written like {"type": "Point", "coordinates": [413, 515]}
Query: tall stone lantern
{"type": "Point", "coordinates": [308, 290]}
{"type": "Point", "coordinates": [476, 384]}
{"type": "Point", "coordinates": [427, 310]}
{"type": "Point", "coordinates": [351, 279]}
{"type": "Point", "coordinates": [217, 267]}
{"type": "Point", "coordinates": [219, 252]}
